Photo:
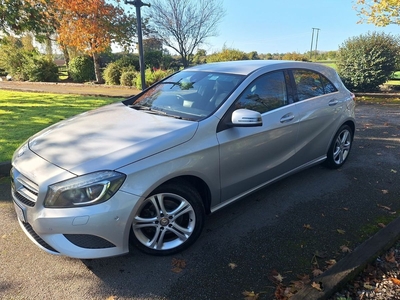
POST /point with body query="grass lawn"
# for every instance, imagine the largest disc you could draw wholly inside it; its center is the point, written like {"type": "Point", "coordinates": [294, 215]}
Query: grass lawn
{"type": "Point", "coordinates": [23, 114]}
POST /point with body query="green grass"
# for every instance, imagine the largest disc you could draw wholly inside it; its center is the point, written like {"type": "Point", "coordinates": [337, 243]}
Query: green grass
{"type": "Point", "coordinates": [23, 114]}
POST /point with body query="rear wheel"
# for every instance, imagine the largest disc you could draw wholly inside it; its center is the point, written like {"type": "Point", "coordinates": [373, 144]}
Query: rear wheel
{"type": "Point", "coordinates": [169, 220]}
{"type": "Point", "coordinates": [340, 148]}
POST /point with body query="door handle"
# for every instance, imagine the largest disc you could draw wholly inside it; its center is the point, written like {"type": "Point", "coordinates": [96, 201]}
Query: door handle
{"type": "Point", "coordinates": [287, 118]}
{"type": "Point", "coordinates": [333, 102]}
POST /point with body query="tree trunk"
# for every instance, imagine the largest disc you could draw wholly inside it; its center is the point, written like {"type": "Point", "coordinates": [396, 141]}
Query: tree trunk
{"type": "Point", "coordinates": [97, 70]}
{"type": "Point", "coordinates": [64, 49]}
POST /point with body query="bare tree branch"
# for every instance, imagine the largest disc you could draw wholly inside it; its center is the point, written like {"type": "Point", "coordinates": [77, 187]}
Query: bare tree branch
{"type": "Point", "coordinates": [184, 25]}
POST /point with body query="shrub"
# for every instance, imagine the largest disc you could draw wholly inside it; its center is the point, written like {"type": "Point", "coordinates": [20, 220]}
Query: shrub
{"type": "Point", "coordinates": [81, 69]}
{"type": "Point", "coordinates": [113, 72]}
{"type": "Point", "coordinates": [128, 78]}
{"type": "Point", "coordinates": [40, 68]}
{"type": "Point", "coordinates": [152, 77]}
{"type": "Point", "coordinates": [227, 55]}
{"type": "Point", "coordinates": [367, 61]}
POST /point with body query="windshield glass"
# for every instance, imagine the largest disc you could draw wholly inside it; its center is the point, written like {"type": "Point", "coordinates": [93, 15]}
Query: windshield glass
{"type": "Point", "coordinates": [188, 94]}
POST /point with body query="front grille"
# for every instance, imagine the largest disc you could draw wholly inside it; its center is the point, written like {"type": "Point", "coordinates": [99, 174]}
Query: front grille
{"type": "Point", "coordinates": [37, 238]}
{"type": "Point", "coordinates": [21, 198]}
{"type": "Point", "coordinates": [88, 241]}
{"type": "Point", "coordinates": [24, 190]}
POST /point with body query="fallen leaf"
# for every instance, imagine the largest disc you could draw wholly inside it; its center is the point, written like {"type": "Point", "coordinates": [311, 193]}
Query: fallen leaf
{"type": "Point", "coordinates": [385, 192]}
{"type": "Point", "coordinates": [278, 277]}
{"type": "Point", "coordinates": [393, 171]}
{"type": "Point", "coordinates": [341, 231]}
{"type": "Point", "coordinates": [345, 249]}
{"type": "Point", "coordinates": [317, 286]}
{"type": "Point", "coordinates": [381, 225]}
{"type": "Point", "coordinates": [389, 257]}
{"type": "Point", "coordinates": [395, 281]}
{"type": "Point", "coordinates": [330, 262]}
{"type": "Point", "coordinates": [307, 227]}
{"type": "Point", "coordinates": [232, 265]}
{"type": "Point", "coordinates": [250, 295]}
{"type": "Point", "coordinates": [317, 272]}
{"type": "Point", "coordinates": [345, 208]}
{"type": "Point", "coordinates": [178, 265]}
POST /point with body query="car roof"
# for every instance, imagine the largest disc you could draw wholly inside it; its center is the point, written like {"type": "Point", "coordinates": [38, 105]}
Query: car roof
{"type": "Point", "coordinates": [245, 67]}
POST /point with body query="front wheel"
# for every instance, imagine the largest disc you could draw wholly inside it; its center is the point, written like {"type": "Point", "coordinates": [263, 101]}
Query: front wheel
{"type": "Point", "coordinates": [340, 148]}
{"type": "Point", "coordinates": [169, 220]}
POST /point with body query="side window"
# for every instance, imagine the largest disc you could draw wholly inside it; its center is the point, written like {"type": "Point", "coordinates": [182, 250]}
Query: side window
{"type": "Point", "coordinates": [265, 93]}
{"type": "Point", "coordinates": [328, 86]}
{"type": "Point", "coordinates": [311, 84]}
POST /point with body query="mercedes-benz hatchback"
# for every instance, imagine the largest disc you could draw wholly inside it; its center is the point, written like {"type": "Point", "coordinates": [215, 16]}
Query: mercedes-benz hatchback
{"type": "Point", "coordinates": [147, 170]}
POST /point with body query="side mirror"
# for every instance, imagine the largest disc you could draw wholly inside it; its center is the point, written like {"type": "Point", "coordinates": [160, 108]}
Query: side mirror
{"type": "Point", "coordinates": [246, 118]}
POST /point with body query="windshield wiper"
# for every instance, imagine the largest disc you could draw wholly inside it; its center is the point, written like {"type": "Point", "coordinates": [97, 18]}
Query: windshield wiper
{"type": "Point", "coordinates": [140, 107]}
{"type": "Point", "coordinates": [173, 83]}
{"type": "Point", "coordinates": [154, 110]}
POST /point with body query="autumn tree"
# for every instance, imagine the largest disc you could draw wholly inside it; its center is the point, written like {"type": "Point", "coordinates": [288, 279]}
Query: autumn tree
{"type": "Point", "coordinates": [380, 13]}
{"type": "Point", "coordinates": [91, 26]}
{"type": "Point", "coordinates": [184, 25]}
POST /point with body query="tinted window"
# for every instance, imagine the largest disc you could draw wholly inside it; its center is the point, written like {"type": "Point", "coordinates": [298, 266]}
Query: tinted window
{"type": "Point", "coordinates": [265, 93]}
{"type": "Point", "coordinates": [311, 84]}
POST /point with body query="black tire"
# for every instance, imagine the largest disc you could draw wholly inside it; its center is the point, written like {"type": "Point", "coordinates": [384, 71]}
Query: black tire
{"type": "Point", "coordinates": [340, 148]}
{"type": "Point", "coordinates": [169, 220]}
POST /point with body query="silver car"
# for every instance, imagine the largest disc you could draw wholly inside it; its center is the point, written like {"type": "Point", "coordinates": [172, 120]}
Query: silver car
{"type": "Point", "coordinates": [147, 170]}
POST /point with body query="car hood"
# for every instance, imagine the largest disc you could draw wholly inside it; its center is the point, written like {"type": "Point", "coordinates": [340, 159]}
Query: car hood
{"type": "Point", "coordinates": [109, 138]}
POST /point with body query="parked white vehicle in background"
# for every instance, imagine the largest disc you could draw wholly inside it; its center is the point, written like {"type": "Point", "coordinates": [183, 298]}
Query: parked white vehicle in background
{"type": "Point", "coordinates": [147, 170]}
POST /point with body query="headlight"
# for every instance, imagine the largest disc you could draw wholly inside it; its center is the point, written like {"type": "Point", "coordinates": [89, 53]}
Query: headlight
{"type": "Point", "coordinates": [84, 190]}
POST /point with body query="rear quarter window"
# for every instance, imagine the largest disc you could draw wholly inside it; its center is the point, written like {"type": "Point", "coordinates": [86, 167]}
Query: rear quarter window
{"type": "Point", "coordinates": [311, 84]}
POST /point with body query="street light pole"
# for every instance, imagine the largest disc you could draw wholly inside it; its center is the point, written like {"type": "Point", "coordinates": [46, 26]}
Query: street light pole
{"type": "Point", "coordinates": [138, 4]}
{"type": "Point", "coordinates": [312, 41]}
{"type": "Point", "coordinates": [316, 43]}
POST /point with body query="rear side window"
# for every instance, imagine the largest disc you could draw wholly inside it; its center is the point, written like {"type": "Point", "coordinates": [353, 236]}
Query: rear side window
{"type": "Point", "coordinates": [266, 93]}
{"type": "Point", "coordinates": [311, 84]}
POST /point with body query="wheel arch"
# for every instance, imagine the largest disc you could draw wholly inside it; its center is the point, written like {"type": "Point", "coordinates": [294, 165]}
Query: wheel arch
{"type": "Point", "coordinates": [351, 124]}
{"type": "Point", "coordinates": [198, 184]}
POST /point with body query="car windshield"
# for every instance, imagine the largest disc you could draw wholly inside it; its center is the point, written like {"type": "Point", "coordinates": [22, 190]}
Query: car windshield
{"type": "Point", "coordinates": [188, 95]}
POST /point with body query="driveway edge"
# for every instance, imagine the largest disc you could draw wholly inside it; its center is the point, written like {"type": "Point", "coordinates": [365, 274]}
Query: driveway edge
{"type": "Point", "coordinates": [348, 267]}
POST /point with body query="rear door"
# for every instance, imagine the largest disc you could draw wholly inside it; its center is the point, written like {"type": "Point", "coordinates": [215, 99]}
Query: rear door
{"type": "Point", "coordinates": [319, 107]}
{"type": "Point", "coordinates": [251, 156]}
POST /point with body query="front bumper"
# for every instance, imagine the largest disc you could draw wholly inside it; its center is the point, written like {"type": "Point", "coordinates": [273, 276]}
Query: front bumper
{"type": "Point", "coordinates": [88, 232]}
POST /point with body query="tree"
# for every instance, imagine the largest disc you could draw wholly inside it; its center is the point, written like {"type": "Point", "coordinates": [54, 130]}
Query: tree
{"type": "Point", "coordinates": [294, 56]}
{"type": "Point", "coordinates": [380, 13]}
{"type": "Point", "coordinates": [91, 26]}
{"type": "Point", "coordinates": [367, 61]}
{"type": "Point", "coordinates": [21, 16]}
{"type": "Point", "coordinates": [184, 25]}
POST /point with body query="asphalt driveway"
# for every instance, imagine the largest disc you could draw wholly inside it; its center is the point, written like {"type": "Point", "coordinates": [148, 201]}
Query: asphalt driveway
{"type": "Point", "coordinates": [290, 227]}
